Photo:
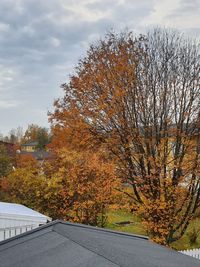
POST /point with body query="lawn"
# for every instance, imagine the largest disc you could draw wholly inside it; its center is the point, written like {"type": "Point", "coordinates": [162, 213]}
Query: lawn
{"type": "Point", "coordinates": [117, 216]}
{"type": "Point", "coordinates": [136, 227]}
{"type": "Point", "coordinates": [184, 242]}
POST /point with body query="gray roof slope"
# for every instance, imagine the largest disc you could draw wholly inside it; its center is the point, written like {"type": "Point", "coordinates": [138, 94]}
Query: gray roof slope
{"type": "Point", "coordinates": [66, 244]}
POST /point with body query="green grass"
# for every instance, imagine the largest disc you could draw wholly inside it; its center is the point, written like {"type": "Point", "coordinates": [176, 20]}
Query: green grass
{"type": "Point", "coordinates": [184, 242]}
{"type": "Point", "coordinates": [121, 216]}
{"type": "Point", "coordinates": [136, 227]}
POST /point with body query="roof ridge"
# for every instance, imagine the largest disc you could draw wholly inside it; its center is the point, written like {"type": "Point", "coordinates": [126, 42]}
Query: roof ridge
{"type": "Point", "coordinates": [103, 229]}
{"type": "Point", "coordinates": [87, 248]}
{"type": "Point", "coordinates": [52, 223]}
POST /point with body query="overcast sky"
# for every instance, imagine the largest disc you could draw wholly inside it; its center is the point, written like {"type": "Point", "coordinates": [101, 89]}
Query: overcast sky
{"type": "Point", "coordinates": [41, 42]}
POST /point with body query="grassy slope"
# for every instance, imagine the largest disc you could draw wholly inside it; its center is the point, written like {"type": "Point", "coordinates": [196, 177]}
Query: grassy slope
{"type": "Point", "coordinates": [137, 228]}
{"type": "Point", "coordinates": [120, 216]}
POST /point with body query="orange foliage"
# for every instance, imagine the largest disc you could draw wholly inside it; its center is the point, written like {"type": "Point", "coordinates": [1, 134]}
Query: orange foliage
{"type": "Point", "coordinates": [127, 97]}
{"type": "Point", "coordinates": [74, 186]}
{"type": "Point", "coordinates": [23, 160]}
{"type": "Point", "coordinates": [85, 183]}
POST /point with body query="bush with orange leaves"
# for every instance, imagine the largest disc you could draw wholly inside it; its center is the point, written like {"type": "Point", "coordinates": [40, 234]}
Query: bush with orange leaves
{"type": "Point", "coordinates": [79, 188]}
{"type": "Point", "coordinates": [85, 185]}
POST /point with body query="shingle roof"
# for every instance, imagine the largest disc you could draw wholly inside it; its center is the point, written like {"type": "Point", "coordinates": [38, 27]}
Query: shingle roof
{"type": "Point", "coordinates": [66, 244]}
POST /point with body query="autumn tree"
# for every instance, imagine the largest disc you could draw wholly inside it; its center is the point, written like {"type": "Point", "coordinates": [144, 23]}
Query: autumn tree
{"type": "Point", "coordinates": [25, 185]}
{"type": "Point", "coordinates": [140, 98]}
{"type": "Point", "coordinates": [5, 162]}
{"type": "Point", "coordinates": [16, 135]}
{"type": "Point", "coordinates": [31, 132]}
{"type": "Point", "coordinates": [5, 167]}
{"type": "Point", "coordinates": [23, 160]}
{"type": "Point", "coordinates": [36, 133]}
{"type": "Point", "coordinates": [75, 186]}
{"type": "Point", "coordinates": [43, 138]}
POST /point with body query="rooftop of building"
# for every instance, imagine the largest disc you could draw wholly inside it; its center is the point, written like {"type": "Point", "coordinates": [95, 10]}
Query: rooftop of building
{"type": "Point", "coordinates": [62, 243]}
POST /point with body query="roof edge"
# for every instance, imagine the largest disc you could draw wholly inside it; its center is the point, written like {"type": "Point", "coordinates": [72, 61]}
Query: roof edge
{"type": "Point", "coordinates": [52, 223]}
{"type": "Point", "coordinates": [103, 229]}
{"type": "Point", "coordinates": [49, 224]}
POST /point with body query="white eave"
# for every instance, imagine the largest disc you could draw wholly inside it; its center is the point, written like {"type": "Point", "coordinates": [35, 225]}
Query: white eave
{"type": "Point", "coordinates": [18, 211]}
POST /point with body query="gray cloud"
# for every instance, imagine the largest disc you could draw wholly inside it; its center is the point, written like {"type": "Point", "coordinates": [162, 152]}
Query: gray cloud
{"type": "Point", "coordinates": [41, 41]}
{"type": "Point", "coordinates": [187, 7]}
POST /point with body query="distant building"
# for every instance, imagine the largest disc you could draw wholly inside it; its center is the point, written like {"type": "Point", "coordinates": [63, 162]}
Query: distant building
{"type": "Point", "coordinates": [29, 146]}
{"type": "Point", "coordinates": [66, 244]}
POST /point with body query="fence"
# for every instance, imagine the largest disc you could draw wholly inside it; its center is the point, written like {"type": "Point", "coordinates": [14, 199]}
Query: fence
{"type": "Point", "coordinates": [13, 231]}
{"type": "Point", "coordinates": [192, 252]}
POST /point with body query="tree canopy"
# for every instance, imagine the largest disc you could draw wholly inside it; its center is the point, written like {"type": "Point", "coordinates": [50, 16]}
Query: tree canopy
{"type": "Point", "coordinates": [139, 97]}
{"type": "Point", "coordinates": [5, 162]}
{"type": "Point", "coordinates": [38, 134]}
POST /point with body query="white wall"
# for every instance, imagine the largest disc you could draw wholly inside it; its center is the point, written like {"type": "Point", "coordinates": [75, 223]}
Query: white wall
{"type": "Point", "coordinates": [10, 227]}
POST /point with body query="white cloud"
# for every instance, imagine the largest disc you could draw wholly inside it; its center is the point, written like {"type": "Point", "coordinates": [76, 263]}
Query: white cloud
{"type": "Point", "coordinates": [27, 29]}
{"type": "Point", "coordinates": [6, 75]}
{"type": "Point", "coordinates": [80, 10]}
{"type": "Point", "coordinates": [55, 42]}
{"type": "Point", "coordinates": [6, 104]}
{"type": "Point", "coordinates": [4, 27]}
{"type": "Point", "coordinates": [179, 14]}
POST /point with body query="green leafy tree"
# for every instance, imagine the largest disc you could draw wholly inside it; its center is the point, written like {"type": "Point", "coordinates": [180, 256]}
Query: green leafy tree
{"type": "Point", "coordinates": [42, 138]}
{"type": "Point", "coordinates": [38, 134]}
